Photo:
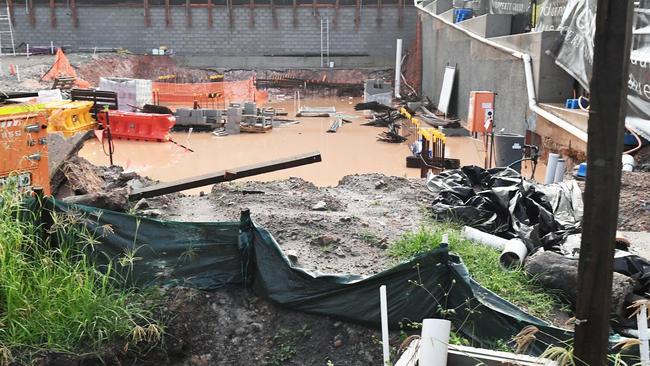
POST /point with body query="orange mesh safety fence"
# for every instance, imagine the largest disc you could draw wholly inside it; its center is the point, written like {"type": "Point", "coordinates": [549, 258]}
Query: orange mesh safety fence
{"type": "Point", "coordinates": [62, 67]}
{"type": "Point", "coordinates": [208, 95]}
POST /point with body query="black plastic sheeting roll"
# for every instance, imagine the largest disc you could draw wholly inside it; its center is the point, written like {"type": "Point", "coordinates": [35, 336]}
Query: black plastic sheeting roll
{"type": "Point", "coordinates": [498, 201]}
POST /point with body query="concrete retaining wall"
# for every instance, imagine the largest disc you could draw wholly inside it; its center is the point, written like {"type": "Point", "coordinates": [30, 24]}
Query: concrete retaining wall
{"type": "Point", "coordinates": [372, 43]}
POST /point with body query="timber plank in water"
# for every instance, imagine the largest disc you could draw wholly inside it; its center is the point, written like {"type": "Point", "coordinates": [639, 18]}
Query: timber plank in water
{"type": "Point", "coordinates": [225, 175]}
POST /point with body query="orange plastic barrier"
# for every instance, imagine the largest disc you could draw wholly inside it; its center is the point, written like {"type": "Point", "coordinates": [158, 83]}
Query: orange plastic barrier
{"type": "Point", "coordinates": [208, 95]}
{"type": "Point", "coordinates": [138, 126]}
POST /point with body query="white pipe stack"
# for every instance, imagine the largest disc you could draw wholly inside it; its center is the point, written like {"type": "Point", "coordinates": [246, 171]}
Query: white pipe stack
{"type": "Point", "coordinates": [434, 342]}
{"type": "Point", "coordinates": [560, 168]}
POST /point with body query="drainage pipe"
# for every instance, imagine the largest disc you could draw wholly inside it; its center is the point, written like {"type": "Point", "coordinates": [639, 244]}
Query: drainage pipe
{"type": "Point", "coordinates": [642, 326]}
{"type": "Point", "coordinates": [513, 254]}
{"type": "Point", "coordinates": [398, 67]}
{"type": "Point", "coordinates": [628, 163]}
{"type": "Point", "coordinates": [384, 324]}
{"type": "Point", "coordinates": [559, 171]}
{"type": "Point", "coordinates": [528, 72]}
{"type": "Point", "coordinates": [434, 342]}
{"type": "Point", "coordinates": [484, 238]}
{"type": "Point", "coordinates": [550, 168]}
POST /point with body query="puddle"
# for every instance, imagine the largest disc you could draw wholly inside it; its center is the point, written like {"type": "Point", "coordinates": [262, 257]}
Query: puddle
{"type": "Point", "coordinates": [354, 149]}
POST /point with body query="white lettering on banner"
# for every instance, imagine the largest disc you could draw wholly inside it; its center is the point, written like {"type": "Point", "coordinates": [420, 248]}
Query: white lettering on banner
{"type": "Point", "coordinates": [508, 6]}
{"type": "Point", "coordinates": [642, 90]}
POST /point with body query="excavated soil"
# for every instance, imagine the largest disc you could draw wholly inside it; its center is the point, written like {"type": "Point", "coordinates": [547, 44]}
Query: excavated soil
{"type": "Point", "coordinates": [338, 229]}
{"type": "Point", "coordinates": [634, 202]}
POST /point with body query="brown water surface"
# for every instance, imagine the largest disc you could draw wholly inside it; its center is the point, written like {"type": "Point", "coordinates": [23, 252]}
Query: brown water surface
{"type": "Point", "coordinates": [353, 149]}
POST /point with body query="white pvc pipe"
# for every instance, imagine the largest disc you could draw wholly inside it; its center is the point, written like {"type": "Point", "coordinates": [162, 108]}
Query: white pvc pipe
{"type": "Point", "coordinates": [398, 67]}
{"type": "Point", "coordinates": [484, 238]}
{"type": "Point", "coordinates": [560, 169]}
{"type": "Point", "coordinates": [434, 342]}
{"type": "Point", "coordinates": [550, 168]}
{"type": "Point", "coordinates": [513, 254]}
{"type": "Point", "coordinates": [528, 72]}
{"type": "Point", "coordinates": [642, 325]}
{"type": "Point", "coordinates": [628, 163]}
{"type": "Point", "coordinates": [384, 324]}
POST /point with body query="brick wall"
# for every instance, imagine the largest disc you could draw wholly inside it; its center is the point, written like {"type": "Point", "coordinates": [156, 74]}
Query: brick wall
{"type": "Point", "coordinates": [104, 26]}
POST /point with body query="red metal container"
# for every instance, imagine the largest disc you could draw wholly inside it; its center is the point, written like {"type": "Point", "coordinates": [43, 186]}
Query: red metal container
{"type": "Point", "coordinates": [138, 126]}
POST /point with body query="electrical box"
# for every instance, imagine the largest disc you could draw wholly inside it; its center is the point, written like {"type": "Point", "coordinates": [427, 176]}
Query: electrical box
{"type": "Point", "coordinates": [481, 111]}
{"type": "Point", "coordinates": [23, 151]}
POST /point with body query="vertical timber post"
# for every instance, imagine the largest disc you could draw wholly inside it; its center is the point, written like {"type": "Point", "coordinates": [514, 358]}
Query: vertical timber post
{"type": "Point", "coordinates": [52, 13]}
{"type": "Point", "coordinates": [147, 16]}
{"type": "Point", "coordinates": [210, 17]}
{"type": "Point", "coordinates": [73, 11]}
{"type": "Point", "coordinates": [604, 149]}
{"type": "Point", "coordinates": [168, 14]}
{"type": "Point", "coordinates": [188, 13]}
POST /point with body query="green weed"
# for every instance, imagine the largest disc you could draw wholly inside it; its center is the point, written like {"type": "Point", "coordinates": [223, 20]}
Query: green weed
{"type": "Point", "coordinates": [52, 298]}
{"type": "Point", "coordinates": [483, 265]}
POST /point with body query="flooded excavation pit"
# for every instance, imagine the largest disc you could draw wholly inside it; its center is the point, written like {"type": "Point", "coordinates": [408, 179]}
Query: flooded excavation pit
{"type": "Point", "coordinates": [353, 149]}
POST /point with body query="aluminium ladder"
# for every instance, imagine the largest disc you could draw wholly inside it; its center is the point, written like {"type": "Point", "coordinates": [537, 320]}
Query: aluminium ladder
{"type": "Point", "coordinates": [6, 28]}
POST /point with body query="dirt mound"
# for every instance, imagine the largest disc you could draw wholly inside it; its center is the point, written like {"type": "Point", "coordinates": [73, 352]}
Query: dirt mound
{"type": "Point", "coordinates": [233, 327]}
{"type": "Point", "coordinates": [634, 202]}
{"type": "Point", "coordinates": [339, 229]}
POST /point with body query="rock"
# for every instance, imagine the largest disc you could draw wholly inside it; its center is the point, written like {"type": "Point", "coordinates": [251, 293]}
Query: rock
{"type": "Point", "coordinates": [339, 253]}
{"type": "Point", "coordinates": [201, 194]}
{"type": "Point", "coordinates": [338, 343]}
{"type": "Point", "coordinates": [256, 327]}
{"type": "Point", "coordinates": [203, 360]}
{"type": "Point", "coordinates": [380, 184]}
{"type": "Point", "coordinates": [151, 213]}
{"type": "Point", "coordinates": [235, 341]}
{"type": "Point", "coordinates": [240, 331]}
{"type": "Point", "coordinates": [337, 324]}
{"type": "Point", "coordinates": [134, 184]}
{"type": "Point", "coordinates": [319, 206]}
{"type": "Point", "coordinates": [142, 204]}
{"type": "Point", "coordinates": [346, 219]}
{"type": "Point", "coordinates": [368, 357]}
{"type": "Point", "coordinates": [325, 240]}
{"type": "Point", "coordinates": [292, 255]}
{"type": "Point", "coordinates": [560, 273]}
{"type": "Point", "coordinates": [214, 307]}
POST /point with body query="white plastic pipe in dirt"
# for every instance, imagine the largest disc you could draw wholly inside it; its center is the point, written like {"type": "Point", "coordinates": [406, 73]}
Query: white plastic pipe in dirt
{"type": "Point", "coordinates": [383, 303]}
{"type": "Point", "coordinates": [628, 163]}
{"type": "Point", "coordinates": [642, 325]}
{"type": "Point", "coordinates": [484, 238]}
{"type": "Point", "coordinates": [52, 47]}
{"type": "Point", "coordinates": [550, 168]}
{"type": "Point", "coordinates": [560, 169]}
{"type": "Point", "coordinates": [528, 72]}
{"type": "Point", "coordinates": [434, 342]}
{"type": "Point", "coordinates": [513, 254]}
{"type": "Point", "coordinates": [398, 67]}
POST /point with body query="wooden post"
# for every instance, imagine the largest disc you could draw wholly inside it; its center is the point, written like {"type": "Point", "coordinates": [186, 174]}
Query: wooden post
{"type": "Point", "coordinates": [32, 17]}
{"type": "Point", "coordinates": [53, 13]}
{"type": "Point", "coordinates": [295, 13]}
{"type": "Point", "coordinates": [274, 15]}
{"type": "Point", "coordinates": [168, 14]}
{"type": "Point", "coordinates": [357, 14]}
{"type": "Point", "coordinates": [73, 11]}
{"type": "Point", "coordinates": [251, 20]}
{"type": "Point", "coordinates": [188, 13]}
{"type": "Point", "coordinates": [210, 18]}
{"type": "Point", "coordinates": [230, 13]}
{"type": "Point", "coordinates": [380, 6]}
{"type": "Point", "coordinates": [400, 10]}
{"type": "Point", "coordinates": [147, 17]}
{"type": "Point", "coordinates": [604, 149]}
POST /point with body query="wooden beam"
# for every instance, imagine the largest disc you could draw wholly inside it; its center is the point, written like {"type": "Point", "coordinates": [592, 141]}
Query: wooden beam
{"type": "Point", "coordinates": [188, 13]}
{"type": "Point", "coordinates": [230, 13]}
{"type": "Point", "coordinates": [30, 10]}
{"type": "Point", "coordinates": [380, 7]}
{"type": "Point", "coordinates": [274, 15]}
{"type": "Point", "coordinates": [357, 14]}
{"type": "Point", "coordinates": [400, 12]}
{"type": "Point", "coordinates": [168, 14]}
{"type": "Point", "coordinates": [73, 12]}
{"type": "Point", "coordinates": [53, 13]}
{"type": "Point", "coordinates": [147, 15]}
{"type": "Point", "coordinates": [251, 19]}
{"type": "Point", "coordinates": [210, 17]}
{"type": "Point", "coordinates": [604, 148]}
{"type": "Point", "coordinates": [335, 22]}
{"type": "Point", "coordinates": [314, 5]}
{"type": "Point", "coordinates": [225, 175]}
{"type": "Point", "coordinates": [295, 13]}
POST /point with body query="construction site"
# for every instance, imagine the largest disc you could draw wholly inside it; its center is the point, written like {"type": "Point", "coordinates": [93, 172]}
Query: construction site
{"type": "Point", "coordinates": [324, 182]}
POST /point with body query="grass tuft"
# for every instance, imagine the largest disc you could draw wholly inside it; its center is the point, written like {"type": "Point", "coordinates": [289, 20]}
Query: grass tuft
{"type": "Point", "coordinates": [483, 265]}
{"type": "Point", "coordinates": [52, 298]}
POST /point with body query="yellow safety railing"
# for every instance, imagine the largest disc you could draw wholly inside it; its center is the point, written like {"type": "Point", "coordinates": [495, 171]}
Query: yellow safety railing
{"type": "Point", "coordinates": [429, 133]}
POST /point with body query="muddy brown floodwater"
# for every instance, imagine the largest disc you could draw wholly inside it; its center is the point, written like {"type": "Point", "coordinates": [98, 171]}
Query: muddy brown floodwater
{"type": "Point", "coordinates": [353, 149]}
